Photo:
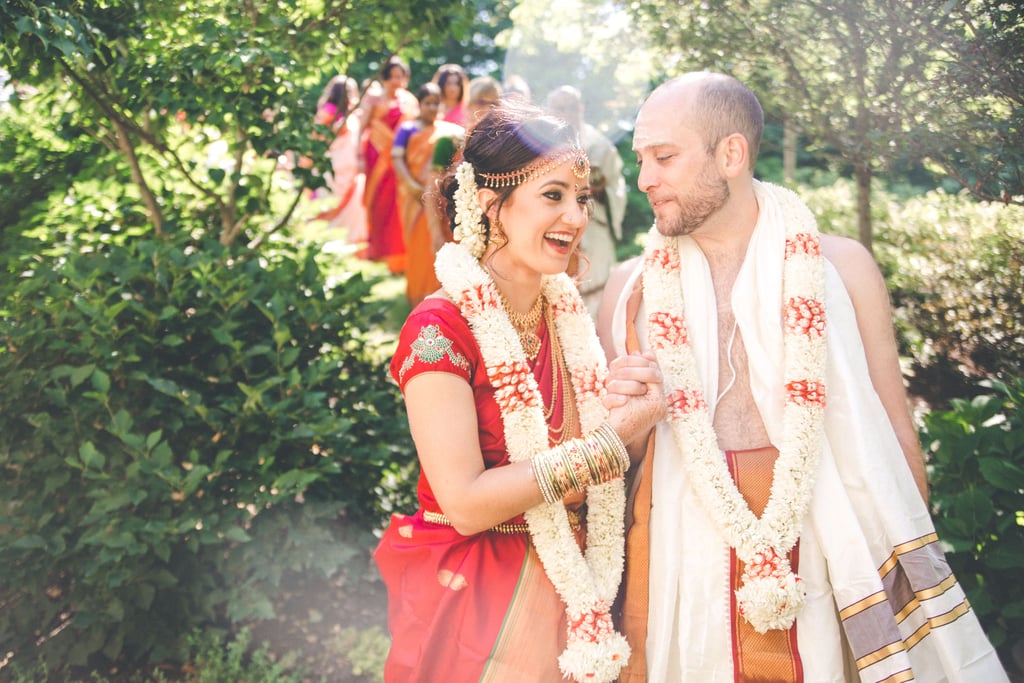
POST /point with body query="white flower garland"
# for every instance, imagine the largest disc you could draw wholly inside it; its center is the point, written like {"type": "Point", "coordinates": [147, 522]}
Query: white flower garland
{"type": "Point", "coordinates": [771, 595]}
{"type": "Point", "coordinates": [588, 583]}
{"type": "Point", "coordinates": [469, 229]}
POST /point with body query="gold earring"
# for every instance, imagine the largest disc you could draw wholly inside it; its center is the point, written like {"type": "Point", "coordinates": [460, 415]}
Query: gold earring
{"type": "Point", "coordinates": [497, 236]}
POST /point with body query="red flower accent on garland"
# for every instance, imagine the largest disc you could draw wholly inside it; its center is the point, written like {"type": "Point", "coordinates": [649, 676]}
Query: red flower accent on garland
{"type": "Point", "coordinates": [588, 382]}
{"type": "Point", "coordinates": [805, 316]}
{"type": "Point", "coordinates": [591, 626]}
{"type": "Point", "coordinates": [511, 385]}
{"type": "Point", "coordinates": [567, 305]}
{"type": "Point", "coordinates": [803, 243]}
{"type": "Point", "coordinates": [806, 393]}
{"type": "Point", "coordinates": [478, 298]}
{"type": "Point", "coordinates": [684, 401]}
{"type": "Point", "coordinates": [667, 330]}
{"type": "Point", "coordinates": [667, 259]}
{"type": "Point", "coordinates": [763, 565]}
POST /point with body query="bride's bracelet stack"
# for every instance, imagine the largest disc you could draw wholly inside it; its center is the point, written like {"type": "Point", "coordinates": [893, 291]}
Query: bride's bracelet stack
{"type": "Point", "coordinates": [576, 464]}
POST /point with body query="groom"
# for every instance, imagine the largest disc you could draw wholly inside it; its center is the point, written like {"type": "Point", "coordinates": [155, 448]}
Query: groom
{"type": "Point", "coordinates": [779, 528]}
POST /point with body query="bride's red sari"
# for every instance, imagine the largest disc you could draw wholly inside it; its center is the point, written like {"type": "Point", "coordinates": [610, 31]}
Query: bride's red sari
{"type": "Point", "coordinates": [466, 608]}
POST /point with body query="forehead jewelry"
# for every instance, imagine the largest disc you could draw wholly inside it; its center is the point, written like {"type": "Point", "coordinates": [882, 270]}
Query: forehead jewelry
{"type": "Point", "coordinates": [575, 155]}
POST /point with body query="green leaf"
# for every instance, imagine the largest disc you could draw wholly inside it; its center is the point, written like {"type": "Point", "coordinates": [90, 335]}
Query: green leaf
{"type": "Point", "coordinates": [122, 423]}
{"type": "Point", "coordinates": [1005, 556]}
{"type": "Point", "coordinates": [115, 608]}
{"type": "Point", "coordinates": [91, 457]}
{"type": "Point", "coordinates": [154, 438]}
{"type": "Point", "coordinates": [1002, 474]}
{"type": "Point", "coordinates": [974, 507]}
{"type": "Point", "coordinates": [29, 541]}
{"type": "Point", "coordinates": [295, 480]}
{"type": "Point", "coordinates": [82, 373]}
{"type": "Point", "coordinates": [162, 455]}
{"type": "Point", "coordinates": [282, 335]}
{"type": "Point", "coordinates": [165, 386]}
{"type": "Point", "coordinates": [101, 382]}
{"type": "Point", "coordinates": [108, 502]}
{"type": "Point", "coordinates": [1014, 610]}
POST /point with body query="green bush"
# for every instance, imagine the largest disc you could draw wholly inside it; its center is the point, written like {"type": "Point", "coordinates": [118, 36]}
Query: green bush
{"type": "Point", "coordinates": [213, 658]}
{"type": "Point", "coordinates": [181, 426]}
{"type": "Point", "coordinates": [976, 473]}
{"type": "Point", "coordinates": [366, 651]}
{"type": "Point", "coordinates": [234, 662]}
{"type": "Point", "coordinates": [955, 270]}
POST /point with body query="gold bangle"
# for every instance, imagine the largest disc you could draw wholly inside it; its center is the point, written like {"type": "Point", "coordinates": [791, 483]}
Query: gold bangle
{"type": "Point", "coordinates": [578, 463]}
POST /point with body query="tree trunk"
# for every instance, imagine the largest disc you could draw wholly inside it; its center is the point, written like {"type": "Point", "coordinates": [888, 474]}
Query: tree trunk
{"type": "Point", "coordinates": [788, 151]}
{"type": "Point", "coordinates": [862, 172]}
{"type": "Point", "coordinates": [152, 205]}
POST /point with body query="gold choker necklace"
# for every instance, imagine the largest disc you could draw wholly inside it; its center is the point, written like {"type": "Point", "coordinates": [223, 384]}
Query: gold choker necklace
{"type": "Point", "coordinates": [526, 325]}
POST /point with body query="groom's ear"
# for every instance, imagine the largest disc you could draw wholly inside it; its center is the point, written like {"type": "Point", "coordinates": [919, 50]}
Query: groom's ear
{"type": "Point", "coordinates": [733, 155]}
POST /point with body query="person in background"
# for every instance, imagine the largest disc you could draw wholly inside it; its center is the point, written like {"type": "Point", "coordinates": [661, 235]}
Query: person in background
{"type": "Point", "coordinates": [607, 187]}
{"type": "Point", "coordinates": [515, 88]}
{"type": "Point", "coordinates": [503, 377]}
{"type": "Point", "coordinates": [452, 80]}
{"type": "Point", "coordinates": [780, 528]}
{"type": "Point", "coordinates": [412, 154]}
{"type": "Point", "coordinates": [384, 112]}
{"type": "Point", "coordinates": [484, 93]}
{"type": "Point", "coordinates": [337, 110]}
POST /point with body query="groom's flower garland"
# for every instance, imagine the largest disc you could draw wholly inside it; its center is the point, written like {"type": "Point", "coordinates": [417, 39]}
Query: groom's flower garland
{"type": "Point", "coordinates": [770, 596]}
{"type": "Point", "coordinates": [588, 583]}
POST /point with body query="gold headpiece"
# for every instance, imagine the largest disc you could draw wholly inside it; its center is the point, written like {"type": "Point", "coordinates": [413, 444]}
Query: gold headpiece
{"type": "Point", "coordinates": [574, 154]}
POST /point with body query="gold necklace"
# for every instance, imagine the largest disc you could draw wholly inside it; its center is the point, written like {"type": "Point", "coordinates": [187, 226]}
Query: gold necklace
{"type": "Point", "coordinates": [561, 383]}
{"type": "Point", "coordinates": [526, 324]}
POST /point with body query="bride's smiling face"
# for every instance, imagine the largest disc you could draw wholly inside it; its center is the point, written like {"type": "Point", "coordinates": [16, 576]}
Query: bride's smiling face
{"type": "Point", "coordinates": [543, 221]}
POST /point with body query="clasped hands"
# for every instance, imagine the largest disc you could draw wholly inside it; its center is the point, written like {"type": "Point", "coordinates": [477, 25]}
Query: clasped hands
{"type": "Point", "coordinates": [635, 397]}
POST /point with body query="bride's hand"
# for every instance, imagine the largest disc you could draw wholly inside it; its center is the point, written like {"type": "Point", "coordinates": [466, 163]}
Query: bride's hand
{"type": "Point", "coordinates": [635, 398]}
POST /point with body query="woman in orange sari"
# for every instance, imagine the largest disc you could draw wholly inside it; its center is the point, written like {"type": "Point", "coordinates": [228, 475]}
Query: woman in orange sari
{"type": "Point", "coordinates": [504, 382]}
{"type": "Point", "coordinates": [386, 111]}
{"type": "Point", "coordinates": [411, 155]}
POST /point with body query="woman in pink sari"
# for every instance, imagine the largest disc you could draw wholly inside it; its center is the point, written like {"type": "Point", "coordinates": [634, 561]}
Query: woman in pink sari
{"type": "Point", "coordinates": [346, 181]}
{"type": "Point", "coordinates": [452, 80]}
{"type": "Point", "coordinates": [386, 111]}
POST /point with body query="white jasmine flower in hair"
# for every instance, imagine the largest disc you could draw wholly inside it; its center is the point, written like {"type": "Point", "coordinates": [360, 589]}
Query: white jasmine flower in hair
{"type": "Point", "coordinates": [469, 227]}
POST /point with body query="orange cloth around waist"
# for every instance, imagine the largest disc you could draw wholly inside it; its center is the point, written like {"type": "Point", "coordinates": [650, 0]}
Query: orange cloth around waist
{"type": "Point", "coordinates": [769, 657]}
{"type": "Point", "coordinates": [757, 658]}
